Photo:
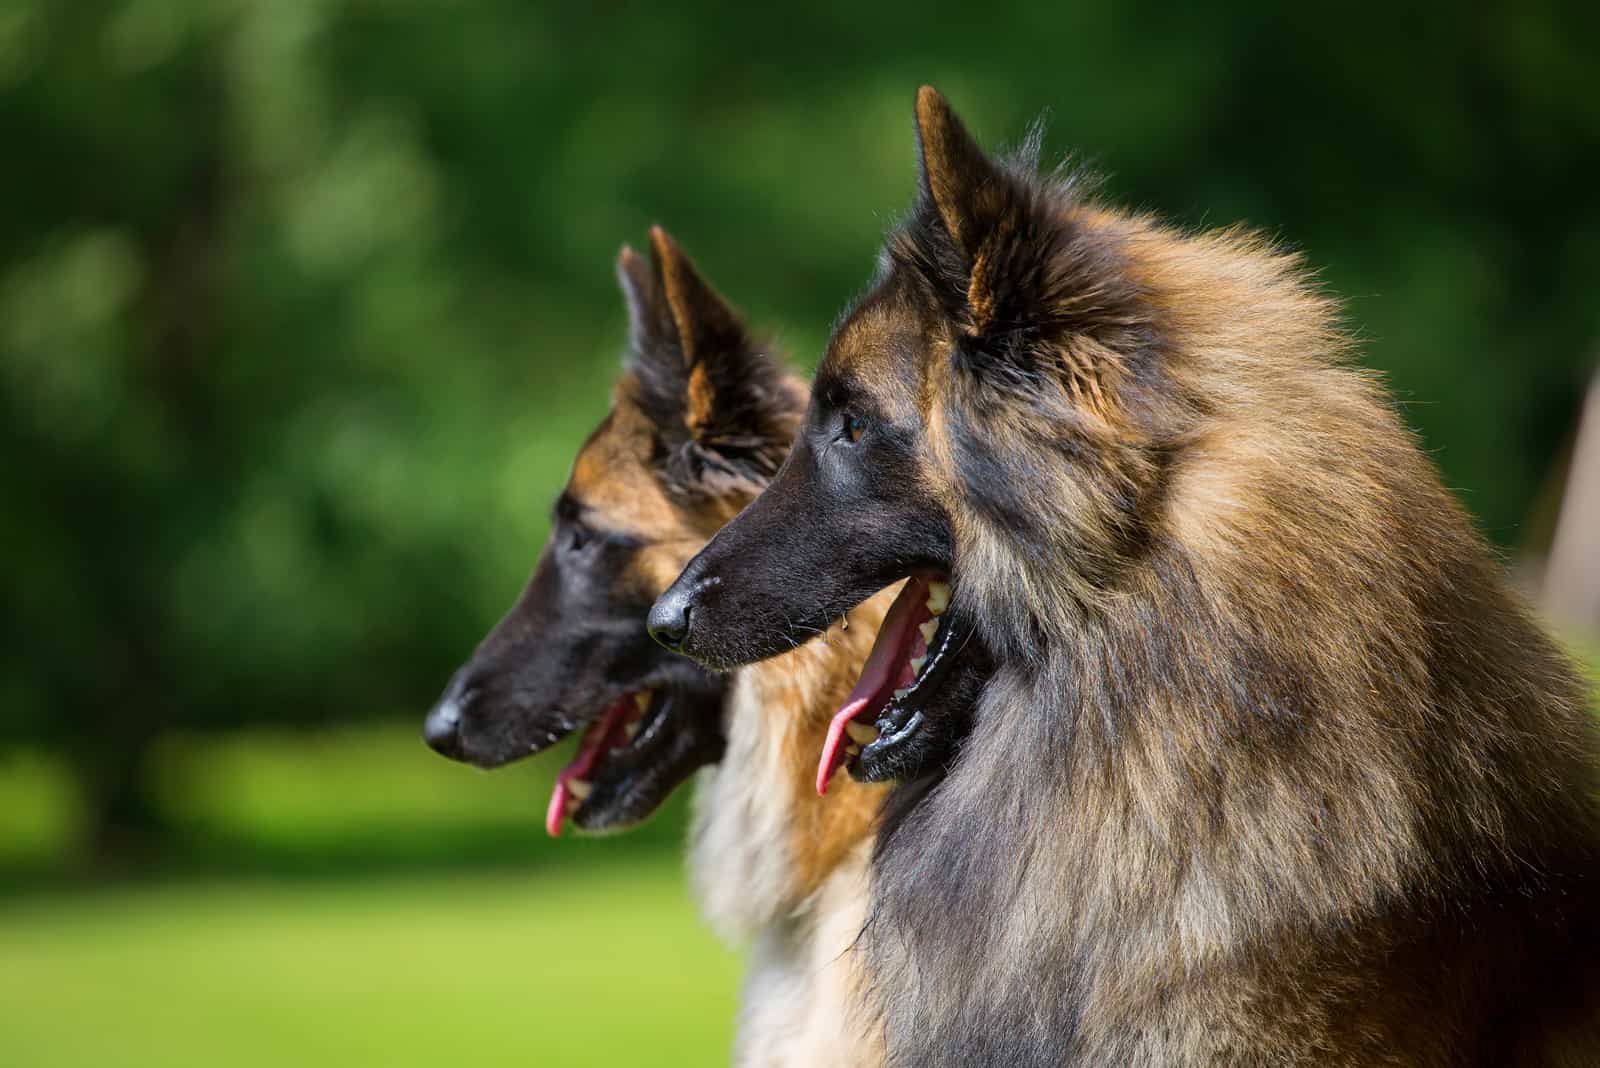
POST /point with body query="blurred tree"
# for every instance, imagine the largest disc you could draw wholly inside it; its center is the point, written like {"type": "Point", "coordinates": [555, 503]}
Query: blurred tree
{"type": "Point", "coordinates": [244, 393]}
{"type": "Point", "coordinates": [305, 304]}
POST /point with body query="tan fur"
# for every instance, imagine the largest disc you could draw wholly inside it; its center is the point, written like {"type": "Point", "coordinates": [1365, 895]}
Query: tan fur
{"type": "Point", "coordinates": [613, 479]}
{"type": "Point", "coordinates": [700, 399]}
{"type": "Point", "coordinates": [777, 866]}
{"type": "Point", "coordinates": [612, 476]}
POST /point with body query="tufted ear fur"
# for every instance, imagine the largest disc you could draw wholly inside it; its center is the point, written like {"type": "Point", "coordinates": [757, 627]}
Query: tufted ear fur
{"type": "Point", "coordinates": [1034, 292]}
{"type": "Point", "coordinates": [720, 406]}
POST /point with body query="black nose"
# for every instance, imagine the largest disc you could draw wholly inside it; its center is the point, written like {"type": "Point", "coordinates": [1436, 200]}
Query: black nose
{"type": "Point", "coordinates": [442, 729]}
{"type": "Point", "coordinates": [669, 617]}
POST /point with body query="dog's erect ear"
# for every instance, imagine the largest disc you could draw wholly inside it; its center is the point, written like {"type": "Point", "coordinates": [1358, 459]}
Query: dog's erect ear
{"type": "Point", "coordinates": [719, 404]}
{"type": "Point", "coordinates": [966, 187]}
{"type": "Point", "coordinates": [983, 213]}
{"type": "Point", "coordinates": [719, 358]}
{"type": "Point", "coordinates": [707, 326]}
{"type": "Point", "coordinates": [642, 296]}
{"type": "Point", "coordinates": [650, 326]}
{"type": "Point", "coordinates": [674, 315]}
{"type": "Point", "coordinates": [1033, 293]}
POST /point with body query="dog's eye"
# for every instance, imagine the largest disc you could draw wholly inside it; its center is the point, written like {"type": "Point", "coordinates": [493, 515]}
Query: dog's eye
{"type": "Point", "coordinates": [578, 536]}
{"type": "Point", "coordinates": [854, 427]}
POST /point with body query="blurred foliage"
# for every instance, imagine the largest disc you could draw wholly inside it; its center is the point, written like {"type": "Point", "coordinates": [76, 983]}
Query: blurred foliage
{"type": "Point", "coordinates": [306, 304]}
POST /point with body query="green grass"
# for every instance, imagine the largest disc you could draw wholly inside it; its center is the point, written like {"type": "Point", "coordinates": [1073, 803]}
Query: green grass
{"type": "Point", "coordinates": [576, 965]}
{"type": "Point", "coordinates": [345, 897]}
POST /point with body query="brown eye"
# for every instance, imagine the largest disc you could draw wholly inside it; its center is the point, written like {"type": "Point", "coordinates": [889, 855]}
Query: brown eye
{"type": "Point", "coordinates": [854, 427]}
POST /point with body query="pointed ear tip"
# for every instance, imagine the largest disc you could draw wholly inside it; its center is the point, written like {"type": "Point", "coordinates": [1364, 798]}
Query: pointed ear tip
{"type": "Point", "coordinates": [627, 258]}
{"type": "Point", "coordinates": [931, 106]}
{"type": "Point", "coordinates": [661, 241]}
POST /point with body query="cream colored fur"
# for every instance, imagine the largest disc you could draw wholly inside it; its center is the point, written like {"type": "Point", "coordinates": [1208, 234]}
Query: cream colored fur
{"type": "Point", "coordinates": [756, 879]}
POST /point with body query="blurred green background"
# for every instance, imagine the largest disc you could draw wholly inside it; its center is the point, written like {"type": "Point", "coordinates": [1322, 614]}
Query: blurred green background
{"type": "Point", "coordinates": [306, 304]}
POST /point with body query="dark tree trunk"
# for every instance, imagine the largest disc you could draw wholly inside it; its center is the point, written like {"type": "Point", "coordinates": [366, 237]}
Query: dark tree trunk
{"type": "Point", "coordinates": [125, 824]}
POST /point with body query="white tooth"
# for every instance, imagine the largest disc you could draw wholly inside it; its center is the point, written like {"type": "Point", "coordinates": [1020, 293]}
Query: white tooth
{"type": "Point", "coordinates": [929, 629]}
{"type": "Point", "coordinates": [938, 597]}
{"type": "Point", "coordinates": [579, 788]}
{"type": "Point", "coordinates": [916, 664]}
{"type": "Point", "coordinates": [900, 694]}
{"type": "Point", "coordinates": [631, 729]}
{"type": "Point", "coordinates": [861, 733]}
{"type": "Point", "coordinates": [642, 699]}
{"type": "Point", "coordinates": [852, 750]}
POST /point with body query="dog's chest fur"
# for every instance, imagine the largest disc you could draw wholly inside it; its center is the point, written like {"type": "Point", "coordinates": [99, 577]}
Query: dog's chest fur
{"type": "Point", "coordinates": [784, 871]}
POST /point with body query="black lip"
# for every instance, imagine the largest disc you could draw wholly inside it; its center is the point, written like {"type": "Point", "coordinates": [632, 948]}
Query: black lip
{"type": "Point", "coordinates": [926, 726]}
{"type": "Point", "coordinates": [489, 730]}
{"type": "Point", "coordinates": [681, 733]}
{"type": "Point", "coordinates": [902, 720]}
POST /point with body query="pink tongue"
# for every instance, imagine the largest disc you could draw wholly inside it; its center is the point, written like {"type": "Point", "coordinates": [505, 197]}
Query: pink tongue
{"type": "Point", "coordinates": [878, 678]}
{"type": "Point", "coordinates": [594, 741]}
{"type": "Point", "coordinates": [555, 813]}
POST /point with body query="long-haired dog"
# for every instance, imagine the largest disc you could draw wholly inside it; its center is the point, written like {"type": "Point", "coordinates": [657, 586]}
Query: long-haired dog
{"type": "Point", "coordinates": [699, 422]}
{"type": "Point", "coordinates": [1271, 767]}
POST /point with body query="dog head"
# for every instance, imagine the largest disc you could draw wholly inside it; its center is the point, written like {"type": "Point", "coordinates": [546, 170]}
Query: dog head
{"type": "Point", "coordinates": [1003, 334]}
{"type": "Point", "coordinates": [998, 413]}
{"type": "Point", "coordinates": [699, 423]}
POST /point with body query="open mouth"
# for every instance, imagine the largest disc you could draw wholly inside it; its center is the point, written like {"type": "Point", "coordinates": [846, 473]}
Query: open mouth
{"type": "Point", "coordinates": [617, 730]}
{"type": "Point", "coordinates": [913, 644]}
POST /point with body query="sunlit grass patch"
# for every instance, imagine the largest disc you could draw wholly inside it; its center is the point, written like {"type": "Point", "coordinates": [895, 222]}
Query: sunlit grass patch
{"type": "Point", "coordinates": [594, 964]}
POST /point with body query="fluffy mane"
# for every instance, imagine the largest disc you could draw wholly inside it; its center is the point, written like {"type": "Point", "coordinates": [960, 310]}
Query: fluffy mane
{"type": "Point", "coordinates": [1268, 726]}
